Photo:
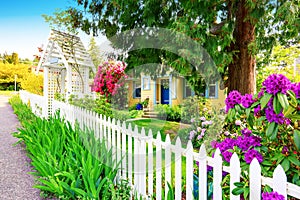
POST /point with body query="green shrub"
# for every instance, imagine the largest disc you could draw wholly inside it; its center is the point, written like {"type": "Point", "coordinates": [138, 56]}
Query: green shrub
{"type": "Point", "coordinates": [136, 113]}
{"type": "Point", "coordinates": [99, 105]}
{"type": "Point", "coordinates": [165, 112]}
{"type": "Point", "coordinates": [121, 115]}
{"type": "Point", "coordinates": [192, 107]}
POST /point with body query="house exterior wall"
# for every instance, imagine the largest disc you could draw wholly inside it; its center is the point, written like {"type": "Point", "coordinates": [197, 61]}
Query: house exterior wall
{"type": "Point", "coordinates": [148, 94]}
{"type": "Point", "coordinates": [179, 92]}
{"type": "Point", "coordinates": [220, 101]}
{"type": "Point", "coordinates": [153, 91]}
{"type": "Point", "coordinates": [131, 99]}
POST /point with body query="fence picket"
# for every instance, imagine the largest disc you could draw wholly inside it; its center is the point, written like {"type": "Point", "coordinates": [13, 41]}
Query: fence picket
{"type": "Point", "coordinates": [142, 156]}
{"type": "Point", "coordinates": [280, 181]}
{"type": "Point", "coordinates": [104, 130]}
{"type": "Point", "coordinates": [217, 173]}
{"type": "Point", "coordinates": [113, 141]}
{"type": "Point", "coordinates": [118, 149]}
{"type": "Point", "coordinates": [129, 153]}
{"type": "Point", "coordinates": [158, 167]}
{"type": "Point", "coordinates": [178, 169]}
{"type": "Point", "coordinates": [123, 155]}
{"type": "Point", "coordinates": [136, 153]}
{"type": "Point", "coordinates": [168, 163]}
{"type": "Point", "coordinates": [235, 172]}
{"type": "Point", "coordinates": [255, 180]}
{"type": "Point", "coordinates": [189, 170]}
{"type": "Point", "coordinates": [101, 128]}
{"type": "Point", "coordinates": [109, 129]}
{"type": "Point", "coordinates": [150, 164]}
{"type": "Point", "coordinates": [202, 173]}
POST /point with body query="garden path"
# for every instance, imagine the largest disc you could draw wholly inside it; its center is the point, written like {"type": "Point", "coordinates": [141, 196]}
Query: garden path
{"type": "Point", "coordinates": [15, 182]}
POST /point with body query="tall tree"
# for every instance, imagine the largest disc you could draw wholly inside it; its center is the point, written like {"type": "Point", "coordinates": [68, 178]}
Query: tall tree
{"type": "Point", "coordinates": [95, 54]}
{"type": "Point", "coordinates": [232, 31]}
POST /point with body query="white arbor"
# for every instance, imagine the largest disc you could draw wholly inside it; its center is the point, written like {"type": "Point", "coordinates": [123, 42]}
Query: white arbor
{"type": "Point", "coordinates": [66, 65]}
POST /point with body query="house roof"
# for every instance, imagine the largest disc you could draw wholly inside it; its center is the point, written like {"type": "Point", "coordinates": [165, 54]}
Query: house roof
{"type": "Point", "coordinates": [64, 49]}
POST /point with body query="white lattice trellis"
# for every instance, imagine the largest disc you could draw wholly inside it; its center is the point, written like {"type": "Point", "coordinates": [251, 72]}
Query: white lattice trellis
{"type": "Point", "coordinates": [66, 65]}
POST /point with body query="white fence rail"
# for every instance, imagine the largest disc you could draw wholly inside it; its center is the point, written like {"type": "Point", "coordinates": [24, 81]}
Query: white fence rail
{"type": "Point", "coordinates": [150, 164]}
{"type": "Point", "coordinates": [36, 102]}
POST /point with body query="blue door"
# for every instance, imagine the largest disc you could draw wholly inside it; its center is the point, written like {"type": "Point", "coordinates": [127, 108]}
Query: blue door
{"type": "Point", "coordinates": [164, 94]}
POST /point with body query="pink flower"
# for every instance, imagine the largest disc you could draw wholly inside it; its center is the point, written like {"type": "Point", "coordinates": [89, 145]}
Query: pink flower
{"type": "Point", "coordinates": [238, 122]}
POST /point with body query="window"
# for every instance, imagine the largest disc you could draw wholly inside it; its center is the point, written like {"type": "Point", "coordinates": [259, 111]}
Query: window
{"type": "Point", "coordinates": [212, 90]}
{"type": "Point", "coordinates": [187, 90]}
{"type": "Point", "coordinates": [146, 83]}
{"type": "Point", "coordinates": [136, 89]}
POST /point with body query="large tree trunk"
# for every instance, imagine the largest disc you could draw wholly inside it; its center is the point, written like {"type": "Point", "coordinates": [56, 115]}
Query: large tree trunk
{"type": "Point", "coordinates": [242, 69]}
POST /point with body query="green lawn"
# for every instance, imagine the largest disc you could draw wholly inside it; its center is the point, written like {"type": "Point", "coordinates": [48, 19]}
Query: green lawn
{"type": "Point", "coordinates": [164, 127]}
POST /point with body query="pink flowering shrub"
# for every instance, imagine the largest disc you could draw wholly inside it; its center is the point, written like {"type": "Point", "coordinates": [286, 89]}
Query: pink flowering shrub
{"type": "Point", "coordinates": [107, 80]}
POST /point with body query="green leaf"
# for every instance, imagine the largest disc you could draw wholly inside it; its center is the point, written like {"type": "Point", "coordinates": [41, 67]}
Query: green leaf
{"type": "Point", "coordinates": [237, 191]}
{"type": "Point", "coordinates": [293, 100]}
{"type": "Point", "coordinates": [297, 138]}
{"type": "Point", "coordinates": [283, 100]}
{"type": "Point", "coordinates": [248, 110]}
{"type": "Point", "coordinates": [267, 188]}
{"type": "Point", "coordinates": [265, 99]}
{"type": "Point", "coordinates": [274, 133]}
{"type": "Point", "coordinates": [285, 164]}
{"type": "Point", "coordinates": [271, 128]}
{"type": "Point", "coordinates": [239, 184]}
{"type": "Point", "coordinates": [288, 111]}
{"type": "Point", "coordinates": [294, 160]}
{"type": "Point", "coordinates": [276, 105]}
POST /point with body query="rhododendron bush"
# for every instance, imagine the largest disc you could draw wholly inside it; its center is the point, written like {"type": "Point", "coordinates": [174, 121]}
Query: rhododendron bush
{"type": "Point", "coordinates": [264, 126]}
{"type": "Point", "coordinates": [109, 78]}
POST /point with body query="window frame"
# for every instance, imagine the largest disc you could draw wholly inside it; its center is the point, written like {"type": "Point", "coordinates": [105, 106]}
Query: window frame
{"type": "Point", "coordinates": [134, 87]}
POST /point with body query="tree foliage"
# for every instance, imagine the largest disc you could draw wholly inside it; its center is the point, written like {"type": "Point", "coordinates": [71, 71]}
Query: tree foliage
{"type": "Point", "coordinates": [231, 31]}
{"type": "Point", "coordinates": [282, 61]}
{"type": "Point", "coordinates": [10, 59]}
{"type": "Point", "coordinates": [25, 79]}
{"type": "Point", "coordinates": [95, 54]}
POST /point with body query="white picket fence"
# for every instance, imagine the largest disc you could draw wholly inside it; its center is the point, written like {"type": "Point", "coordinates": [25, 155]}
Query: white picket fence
{"type": "Point", "coordinates": [36, 102]}
{"type": "Point", "coordinates": [147, 161]}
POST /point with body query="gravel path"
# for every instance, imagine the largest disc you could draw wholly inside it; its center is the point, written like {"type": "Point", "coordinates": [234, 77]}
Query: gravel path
{"type": "Point", "coordinates": [15, 182]}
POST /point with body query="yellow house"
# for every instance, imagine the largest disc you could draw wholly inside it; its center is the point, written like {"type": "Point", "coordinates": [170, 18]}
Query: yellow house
{"type": "Point", "coordinates": [169, 90]}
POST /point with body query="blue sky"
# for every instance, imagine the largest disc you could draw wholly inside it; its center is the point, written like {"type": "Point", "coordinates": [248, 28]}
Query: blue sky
{"type": "Point", "coordinates": [23, 29]}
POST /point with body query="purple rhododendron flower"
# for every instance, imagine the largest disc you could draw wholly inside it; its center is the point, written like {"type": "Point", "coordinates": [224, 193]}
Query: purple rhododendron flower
{"type": "Point", "coordinates": [276, 83]}
{"type": "Point", "coordinates": [227, 155]}
{"type": "Point", "coordinates": [246, 132]}
{"type": "Point", "coordinates": [234, 97]}
{"type": "Point", "coordinates": [261, 93]}
{"type": "Point", "coordinates": [295, 87]}
{"type": "Point", "coordinates": [273, 117]}
{"type": "Point", "coordinates": [251, 154]}
{"type": "Point", "coordinates": [214, 144]}
{"type": "Point", "coordinates": [272, 196]}
{"type": "Point", "coordinates": [285, 150]}
{"type": "Point", "coordinates": [226, 144]}
{"type": "Point", "coordinates": [257, 110]}
{"type": "Point", "coordinates": [247, 100]}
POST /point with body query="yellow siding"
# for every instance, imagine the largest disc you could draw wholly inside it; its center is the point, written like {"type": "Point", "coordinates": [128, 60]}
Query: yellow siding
{"type": "Point", "coordinates": [132, 100]}
{"type": "Point", "coordinates": [220, 101]}
{"type": "Point", "coordinates": [149, 94]}
{"type": "Point", "coordinates": [179, 92]}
